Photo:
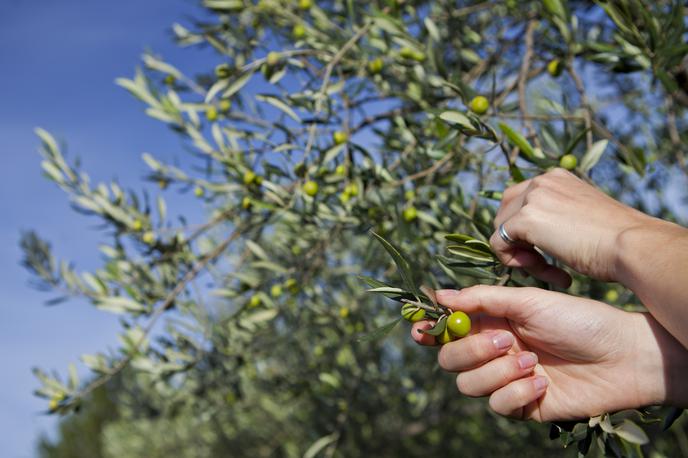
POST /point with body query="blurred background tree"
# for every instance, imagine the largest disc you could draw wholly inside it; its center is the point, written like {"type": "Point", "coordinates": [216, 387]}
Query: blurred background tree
{"type": "Point", "coordinates": [322, 121]}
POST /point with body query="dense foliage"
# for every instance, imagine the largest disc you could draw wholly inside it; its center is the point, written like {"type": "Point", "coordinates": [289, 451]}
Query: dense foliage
{"type": "Point", "coordinates": [322, 121]}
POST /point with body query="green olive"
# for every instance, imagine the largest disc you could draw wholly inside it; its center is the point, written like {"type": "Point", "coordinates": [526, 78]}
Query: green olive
{"type": "Point", "coordinates": [273, 58]}
{"type": "Point", "coordinates": [340, 137]}
{"type": "Point", "coordinates": [568, 162]}
{"type": "Point", "coordinates": [459, 324]}
{"type": "Point", "coordinates": [376, 65]}
{"type": "Point", "coordinates": [299, 31]}
{"type": "Point", "coordinates": [254, 301]}
{"type": "Point", "coordinates": [445, 337]}
{"type": "Point", "coordinates": [225, 105]}
{"type": "Point", "coordinates": [479, 105]}
{"type": "Point", "coordinates": [555, 67]}
{"type": "Point", "coordinates": [211, 114]}
{"type": "Point", "coordinates": [249, 177]}
{"type": "Point", "coordinates": [276, 290]}
{"type": "Point", "coordinates": [412, 313]}
{"type": "Point", "coordinates": [310, 188]}
{"type": "Point", "coordinates": [410, 214]}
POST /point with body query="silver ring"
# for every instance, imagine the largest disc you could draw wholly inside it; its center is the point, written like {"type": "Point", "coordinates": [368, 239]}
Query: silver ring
{"type": "Point", "coordinates": [503, 234]}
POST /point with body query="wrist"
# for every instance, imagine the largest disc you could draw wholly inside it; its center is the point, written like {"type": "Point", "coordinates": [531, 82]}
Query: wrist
{"type": "Point", "coordinates": [634, 243]}
{"type": "Point", "coordinates": [659, 363]}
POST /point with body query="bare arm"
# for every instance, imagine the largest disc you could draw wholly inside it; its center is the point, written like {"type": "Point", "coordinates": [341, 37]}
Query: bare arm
{"type": "Point", "coordinates": [652, 261]}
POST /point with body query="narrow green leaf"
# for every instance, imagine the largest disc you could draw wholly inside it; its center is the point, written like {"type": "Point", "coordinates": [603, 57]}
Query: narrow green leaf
{"type": "Point", "coordinates": [380, 332]}
{"type": "Point", "coordinates": [519, 141]}
{"type": "Point", "coordinates": [439, 327]}
{"type": "Point", "coordinates": [470, 253]}
{"type": "Point", "coordinates": [631, 432]}
{"type": "Point", "coordinates": [237, 85]}
{"type": "Point", "coordinates": [402, 264]}
{"type": "Point", "coordinates": [458, 118]}
{"type": "Point", "coordinates": [280, 105]}
{"type": "Point", "coordinates": [593, 155]}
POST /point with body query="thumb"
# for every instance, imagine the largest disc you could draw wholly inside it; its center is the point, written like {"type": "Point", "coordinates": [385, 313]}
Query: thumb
{"type": "Point", "coordinates": [517, 304]}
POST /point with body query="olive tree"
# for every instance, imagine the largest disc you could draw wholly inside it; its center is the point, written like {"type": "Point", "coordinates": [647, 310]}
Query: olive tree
{"type": "Point", "coordinates": [320, 123]}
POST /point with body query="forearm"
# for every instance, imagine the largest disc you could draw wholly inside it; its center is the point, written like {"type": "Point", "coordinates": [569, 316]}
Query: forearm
{"type": "Point", "coordinates": [660, 364]}
{"type": "Point", "coordinates": [653, 263]}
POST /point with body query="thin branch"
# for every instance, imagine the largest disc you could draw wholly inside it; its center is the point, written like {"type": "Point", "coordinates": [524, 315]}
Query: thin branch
{"type": "Point", "coordinates": [522, 79]}
{"type": "Point", "coordinates": [165, 305]}
{"type": "Point", "coordinates": [326, 81]}
{"type": "Point", "coordinates": [587, 111]}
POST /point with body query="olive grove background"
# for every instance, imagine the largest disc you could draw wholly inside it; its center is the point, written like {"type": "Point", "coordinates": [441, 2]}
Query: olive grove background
{"type": "Point", "coordinates": [241, 334]}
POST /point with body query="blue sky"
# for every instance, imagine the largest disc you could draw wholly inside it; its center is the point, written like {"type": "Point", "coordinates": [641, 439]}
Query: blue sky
{"type": "Point", "coordinates": [58, 62]}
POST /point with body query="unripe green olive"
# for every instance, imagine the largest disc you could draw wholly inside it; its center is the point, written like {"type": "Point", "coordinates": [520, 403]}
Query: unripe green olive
{"type": "Point", "coordinates": [445, 337]}
{"type": "Point", "coordinates": [299, 31]}
{"type": "Point", "coordinates": [340, 170]}
{"type": "Point", "coordinates": [568, 162]}
{"type": "Point", "coordinates": [351, 189]}
{"type": "Point", "coordinates": [254, 301]}
{"type": "Point", "coordinates": [276, 291]}
{"type": "Point", "coordinates": [412, 313]}
{"type": "Point", "coordinates": [137, 225]}
{"type": "Point", "coordinates": [170, 80]}
{"type": "Point", "coordinates": [459, 324]}
{"type": "Point", "coordinates": [611, 296]}
{"type": "Point", "coordinates": [310, 188]}
{"type": "Point", "coordinates": [273, 58]}
{"type": "Point", "coordinates": [410, 214]}
{"type": "Point", "coordinates": [246, 203]}
{"type": "Point", "coordinates": [340, 137]}
{"type": "Point", "coordinates": [249, 177]}
{"type": "Point", "coordinates": [376, 65]}
{"type": "Point", "coordinates": [225, 105]}
{"type": "Point", "coordinates": [148, 238]}
{"type": "Point", "coordinates": [211, 114]}
{"type": "Point", "coordinates": [198, 191]}
{"type": "Point", "coordinates": [555, 67]}
{"type": "Point", "coordinates": [305, 4]}
{"type": "Point", "coordinates": [479, 105]}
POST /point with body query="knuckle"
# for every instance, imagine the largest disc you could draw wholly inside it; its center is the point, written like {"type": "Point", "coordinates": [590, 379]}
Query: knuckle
{"type": "Point", "coordinates": [496, 405]}
{"type": "Point", "coordinates": [520, 394]}
{"type": "Point", "coordinates": [465, 387]}
{"type": "Point", "coordinates": [444, 358]}
{"type": "Point", "coordinates": [558, 172]}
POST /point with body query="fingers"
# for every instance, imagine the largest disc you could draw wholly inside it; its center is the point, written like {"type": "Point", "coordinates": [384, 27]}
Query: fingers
{"type": "Point", "coordinates": [475, 350]}
{"type": "Point", "coordinates": [527, 257]}
{"type": "Point", "coordinates": [496, 374]}
{"type": "Point", "coordinates": [498, 301]}
{"type": "Point", "coordinates": [511, 399]}
{"type": "Point", "coordinates": [419, 336]}
{"type": "Point", "coordinates": [513, 192]}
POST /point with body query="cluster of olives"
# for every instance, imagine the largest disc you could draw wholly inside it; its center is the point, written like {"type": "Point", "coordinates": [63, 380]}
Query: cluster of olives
{"type": "Point", "coordinates": [458, 323]}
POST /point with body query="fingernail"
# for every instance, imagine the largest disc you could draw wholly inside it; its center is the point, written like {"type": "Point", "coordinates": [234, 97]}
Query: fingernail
{"type": "Point", "coordinates": [446, 293]}
{"type": "Point", "coordinates": [503, 340]}
{"type": "Point", "coordinates": [540, 383]}
{"type": "Point", "coordinates": [527, 360]}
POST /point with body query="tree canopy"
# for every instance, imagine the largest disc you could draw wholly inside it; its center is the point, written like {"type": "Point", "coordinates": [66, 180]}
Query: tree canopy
{"type": "Point", "coordinates": [321, 122]}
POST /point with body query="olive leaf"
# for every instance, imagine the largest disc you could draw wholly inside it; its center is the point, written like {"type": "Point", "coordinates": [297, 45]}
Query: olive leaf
{"type": "Point", "coordinates": [401, 263]}
{"type": "Point", "coordinates": [631, 432]}
{"type": "Point", "coordinates": [380, 332]}
{"type": "Point", "coordinates": [438, 328]}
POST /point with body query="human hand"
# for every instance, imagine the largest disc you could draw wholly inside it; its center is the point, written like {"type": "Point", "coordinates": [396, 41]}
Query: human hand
{"type": "Point", "coordinates": [545, 356]}
{"type": "Point", "coordinates": [566, 218]}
